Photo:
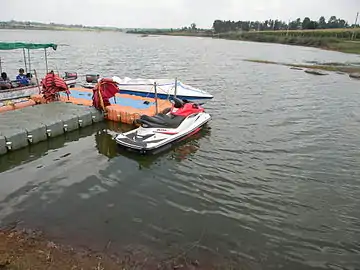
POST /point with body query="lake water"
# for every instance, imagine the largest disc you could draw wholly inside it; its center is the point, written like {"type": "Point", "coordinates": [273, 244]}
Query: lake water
{"type": "Point", "coordinates": [273, 182]}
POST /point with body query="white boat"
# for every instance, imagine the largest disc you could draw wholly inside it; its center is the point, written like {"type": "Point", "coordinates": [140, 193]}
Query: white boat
{"type": "Point", "coordinates": [17, 91]}
{"type": "Point", "coordinates": [165, 89]}
{"type": "Point", "coordinates": [27, 91]}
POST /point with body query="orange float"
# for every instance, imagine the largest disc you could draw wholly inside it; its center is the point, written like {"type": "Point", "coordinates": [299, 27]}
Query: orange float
{"type": "Point", "coordinates": [126, 108]}
{"type": "Point", "coordinates": [23, 104]}
{"type": "Point", "coordinates": [6, 108]}
{"type": "Point", "coordinates": [39, 99]}
{"type": "Point", "coordinates": [10, 105]}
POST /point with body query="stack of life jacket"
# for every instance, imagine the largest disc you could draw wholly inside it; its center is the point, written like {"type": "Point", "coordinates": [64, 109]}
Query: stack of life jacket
{"type": "Point", "coordinates": [52, 84]}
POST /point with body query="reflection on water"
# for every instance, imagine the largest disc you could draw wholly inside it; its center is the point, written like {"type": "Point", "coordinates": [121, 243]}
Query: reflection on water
{"type": "Point", "coordinates": [35, 151]}
{"type": "Point", "coordinates": [107, 146]}
{"type": "Point", "coordinates": [104, 134]}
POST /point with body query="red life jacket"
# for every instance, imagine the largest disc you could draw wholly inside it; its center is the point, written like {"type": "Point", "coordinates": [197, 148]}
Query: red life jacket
{"type": "Point", "coordinates": [104, 90]}
{"type": "Point", "coordinates": [52, 84]}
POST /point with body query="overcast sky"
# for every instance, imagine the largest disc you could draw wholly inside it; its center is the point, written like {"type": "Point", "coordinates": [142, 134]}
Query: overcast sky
{"type": "Point", "coordinates": [171, 13]}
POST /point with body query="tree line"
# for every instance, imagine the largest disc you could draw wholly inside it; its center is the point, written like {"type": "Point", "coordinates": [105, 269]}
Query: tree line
{"type": "Point", "coordinates": [221, 26]}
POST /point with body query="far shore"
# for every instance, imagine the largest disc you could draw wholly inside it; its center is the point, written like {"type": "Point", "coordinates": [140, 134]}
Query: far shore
{"type": "Point", "coordinates": [322, 39]}
{"type": "Point", "coordinates": [58, 28]}
{"type": "Point", "coordinates": [305, 38]}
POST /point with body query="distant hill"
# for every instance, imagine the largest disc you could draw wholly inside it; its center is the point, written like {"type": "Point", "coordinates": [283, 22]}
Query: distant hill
{"type": "Point", "coordinates": [28, 25]}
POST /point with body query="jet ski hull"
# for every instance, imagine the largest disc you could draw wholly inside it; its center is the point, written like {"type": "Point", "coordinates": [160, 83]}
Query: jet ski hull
{"type": "Point", "coordinates": [154, 140]}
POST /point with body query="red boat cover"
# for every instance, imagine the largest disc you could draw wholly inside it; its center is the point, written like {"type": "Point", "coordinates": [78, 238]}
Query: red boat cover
{"type": "Point", "coordinates": [102, 92]}
{"type": "Point", "coordinates": [52, 84]}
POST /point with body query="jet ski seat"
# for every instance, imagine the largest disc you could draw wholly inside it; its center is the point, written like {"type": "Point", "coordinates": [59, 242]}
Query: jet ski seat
{"type": "Point", "coordinates": [161, 121]}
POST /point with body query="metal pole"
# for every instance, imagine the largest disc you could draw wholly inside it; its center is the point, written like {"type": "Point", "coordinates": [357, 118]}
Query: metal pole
{"type": "Point", "coordinates": [288, 27]}
{"type": "Point", "coordinates": [156, 101]}
{"type": "Point", "coordinates": [25, 60]}
{"type": "Point", "coordinates": [29, 60]}
{"type": "Point", "coordinates": [37, 81]}
{"type": "Point", "coordinates": [175, 92]}
{"type": "Point", "coordinates": [46, 61]}
{"type": "Point", "coordinates": [0, 66]}
{"type": "Point", "coordinates": [353, 35]}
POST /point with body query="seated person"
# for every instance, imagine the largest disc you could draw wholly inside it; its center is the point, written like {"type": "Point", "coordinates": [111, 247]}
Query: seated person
{"type": "Point", "coordinates": [30, 78]}
{"type": "Point", "coordinates": [5, 83]}
{"type": "Point", "coordinates": [21, 78]}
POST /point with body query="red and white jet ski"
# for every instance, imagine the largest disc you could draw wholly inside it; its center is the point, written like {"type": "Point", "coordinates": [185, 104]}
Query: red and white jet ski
{"type": "Point", "coordinates": [162, 130]}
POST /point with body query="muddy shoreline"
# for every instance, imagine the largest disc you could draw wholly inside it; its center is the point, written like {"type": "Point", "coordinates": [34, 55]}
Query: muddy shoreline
{"type": "Point", "coordinates": [30, 249]}
{"type": "Point", "coordinates": [353, 71]}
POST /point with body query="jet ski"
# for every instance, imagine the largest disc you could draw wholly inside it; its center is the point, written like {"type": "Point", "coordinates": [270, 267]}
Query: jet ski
{"type": "Point", "coordinates": [157, 132]}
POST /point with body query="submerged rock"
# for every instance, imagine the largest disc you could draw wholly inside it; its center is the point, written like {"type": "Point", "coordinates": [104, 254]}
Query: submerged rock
{"type": "Point", "coordinates": [316, 72]}
{"type": "Point", "coordinates": [296, 68]}
{"type": "Point", "coordinates": [354, 75]}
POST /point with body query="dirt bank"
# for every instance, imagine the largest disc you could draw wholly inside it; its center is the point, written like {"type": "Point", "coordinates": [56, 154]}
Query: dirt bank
{"type": "Point", "coordinates": [24, 249]}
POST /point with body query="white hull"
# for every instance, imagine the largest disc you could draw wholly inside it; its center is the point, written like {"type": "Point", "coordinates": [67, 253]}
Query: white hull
{"type": "Point", "coordinates": [150, 139]}
{"type": "Point", "coordinates": [19, 92]}
{"type": "Point", "coordinates": [88, 85]}
{"type": "Point", "coordinates": [26, 91]}
{"type": "Point", "coordinates": [165, 89]}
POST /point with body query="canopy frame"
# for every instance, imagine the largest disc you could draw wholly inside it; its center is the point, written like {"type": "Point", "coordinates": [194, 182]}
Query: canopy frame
{"type": "Point", "coordinates": [28, 46]}
{"type": "Point", "coordinates": [25, 60]}
{"type": "Point", "coordinates": [22, 45]}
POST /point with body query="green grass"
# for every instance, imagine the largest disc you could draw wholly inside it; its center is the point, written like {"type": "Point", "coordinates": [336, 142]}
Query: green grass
{"type": "Point", "coordinates": [323, 42]}
{"type": "Point", "coordinates": [342, 33]}
{"type": "Point", "coordinates": [328, 39]}
{"type": "Point", "coordinates": [172, 33]}
{"type": "Point", "coordinates": [346, 46]}
{"type": "Point", "coordinates": [328, 43]}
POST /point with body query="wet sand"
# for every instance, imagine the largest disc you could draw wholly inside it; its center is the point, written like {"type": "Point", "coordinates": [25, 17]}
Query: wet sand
{"type": "Point", "coordinates": [26, 249]}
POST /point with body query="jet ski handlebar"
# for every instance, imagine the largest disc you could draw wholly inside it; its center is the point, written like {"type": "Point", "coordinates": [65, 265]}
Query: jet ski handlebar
{"type": "Point", "coordinates": [179, 103]}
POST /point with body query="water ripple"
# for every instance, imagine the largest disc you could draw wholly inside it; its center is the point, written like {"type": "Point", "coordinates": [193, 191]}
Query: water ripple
{"type": "Point", "coordinates": [275, 180]}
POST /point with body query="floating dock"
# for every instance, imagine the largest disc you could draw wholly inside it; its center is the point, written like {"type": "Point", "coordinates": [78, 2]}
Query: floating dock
{"type": "Point", "coordinates": [28, 121]}
{"type": "Point", "coordinates": [30, 125]}
{"type": "Point", "coordinates": [124, 108]}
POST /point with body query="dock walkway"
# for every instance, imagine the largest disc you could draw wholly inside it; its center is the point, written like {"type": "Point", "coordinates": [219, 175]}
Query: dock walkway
{"type": "Point", "coordinates": [30, 125]}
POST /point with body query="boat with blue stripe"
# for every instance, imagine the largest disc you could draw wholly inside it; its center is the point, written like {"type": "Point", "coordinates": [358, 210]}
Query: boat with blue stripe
{"type": "Point", "coordinates": [165, 89]}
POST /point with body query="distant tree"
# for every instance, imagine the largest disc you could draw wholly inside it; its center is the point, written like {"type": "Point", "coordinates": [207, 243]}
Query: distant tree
{"type": "Point", "coordinates": [293, 25]}
{"type": "Point", "coordinates": [322, 22]}
{"type": "Point", "coordinates": [342, 23]}
{"type": "Point", "coordinates": [271, 24]}
{"type": "Point", "coordinates": [313, 25]}
{"type": "Point", "coordinates": [193, 26]}
{"type": "Point", "coordinates": [332, 23]}
{"type": "Point", "coordinates": [217, 26]}
{"type": "Point", "coordinates": [306, 23]}
{"type": "Point", "coordinates": [221, 26]}
{"type": "Point", "coordinates": [277, 25]}
{"type": "Point", "coordinates": [245, 26]}
{"type": "Point", "coordinates": [266, 24]}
